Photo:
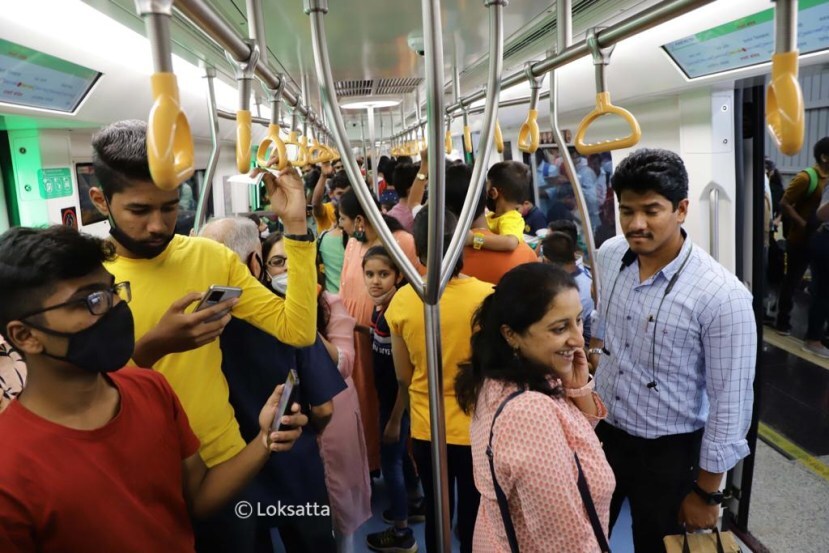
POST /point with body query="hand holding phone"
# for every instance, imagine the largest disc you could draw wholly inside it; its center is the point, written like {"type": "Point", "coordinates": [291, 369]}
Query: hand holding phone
{"type": "Point", "coordinates": [218, 294]}
{"type": "Point", "coordinates": [285, 402]}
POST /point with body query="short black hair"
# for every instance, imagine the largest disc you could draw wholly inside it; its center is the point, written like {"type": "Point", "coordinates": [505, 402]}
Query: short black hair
{"type": "Point", "coordinates": [559, 247]}
{"type": "Point", "coordinates": [351, 208]}
{"type": "Point", "coordinates": [511, 178]}
{"type": "Point", "coordinates": [404, 176]}
{"type": "Point", "coordinates": [119, 156]}
{"type": "Point", "coordinates": [33, 260]}
{"type": "Point", "coordinates": [566, 226]}
{"type": "Point", "coordinates": [339, 180]}
{"type": "Point", "coordinates": [421, 236]}
{"type": "Point", "coordinates": [821, 148]}
{"type": "Point", "coordinates": [404, 159]}
{"type": "Point", "coordinates": [652, 170]}
{"type": "Point", "coordinates": [458, 181]}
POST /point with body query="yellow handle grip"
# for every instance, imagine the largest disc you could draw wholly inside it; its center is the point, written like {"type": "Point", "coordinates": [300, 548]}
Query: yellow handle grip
{"type": "Point", "coordinates": [604, 107]}
{"type": "Point", "coordinates": [263, 157]}
{"type": "Point", "coordinates": [318, 154]}
{"type": "Point", "coordinates": [169, 142]}
{"type": "Point", "coordinates": [784, 104]}
{"type": "Point", "coordinates": [499, 138]}
{"type": "Point", "coordinates": [302, 154]}
{"type": "Point", "coordinates": [467, 139]}
{"type": "Point", "coordinates": [243, 140]}
{"type": "Point", "coordinates": [529, 135]}
{"type": "Point", "coordinates": [447, 142]}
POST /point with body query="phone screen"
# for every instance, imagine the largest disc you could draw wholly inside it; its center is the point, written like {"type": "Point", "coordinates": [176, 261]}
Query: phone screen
{"type": "Point", "coordinates": [285, 401]}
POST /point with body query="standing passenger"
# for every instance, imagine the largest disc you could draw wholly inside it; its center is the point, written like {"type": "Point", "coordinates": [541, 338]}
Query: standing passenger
{"type": "Point", "coordinates": [360, 306]}
{"type": "Point", "coordinates": [534, 407]}
{"type": "Point", "coordinates": [405, 316]}
{"type": "Point", "coordinates": [169, 273]}
{"type": "Point", "coordinates": [680, 346]}
{"type": "Point", "coordinates": [559, 249]}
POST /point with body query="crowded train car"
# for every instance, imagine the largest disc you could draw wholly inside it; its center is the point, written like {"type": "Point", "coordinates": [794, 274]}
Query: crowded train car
{"type": "Point", "coordinates": [442, 276]}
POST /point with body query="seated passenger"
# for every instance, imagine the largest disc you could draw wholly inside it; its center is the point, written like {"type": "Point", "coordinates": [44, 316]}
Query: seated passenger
{"type": "Point", "coordinates": [486, 265]}
{"type": "Point", "coordinates": [570, 229]}
{"type": "Point", "coordinates": [169, 274]}
{"type": "Point", "coordinates": [558, 249]}
{"type": "Point", "coordinates": [507, 183]}
{"type": "Point", "coordinates": [405, 316]}
{"type": "Point", "coordinates": [254, 362]}
{"type": "Point", "coordinates": [531, 396]}
{"type": "Point", "coordinates": [342, 445]}
{"type": "Point", "coordinates": [101, 459]}
{"type": "Point", "coordinates": [534, 219]}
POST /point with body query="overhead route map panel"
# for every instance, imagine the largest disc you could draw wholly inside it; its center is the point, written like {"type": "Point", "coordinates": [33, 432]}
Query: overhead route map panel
{"type": "Point", "coordinates": [748, 41]}
{"type": "Point", "coordinates": [33, 79]}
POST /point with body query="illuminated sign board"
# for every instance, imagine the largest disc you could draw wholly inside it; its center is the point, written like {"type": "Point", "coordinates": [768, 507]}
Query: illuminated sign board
{"type": "Point", "coordinates": [748, 41]}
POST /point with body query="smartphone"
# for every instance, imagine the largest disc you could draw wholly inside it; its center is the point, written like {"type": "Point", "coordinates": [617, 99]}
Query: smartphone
{"type": "Point", "coordinates": [284, 407]}
{"type": "Point", "coordinates": [217, 294]}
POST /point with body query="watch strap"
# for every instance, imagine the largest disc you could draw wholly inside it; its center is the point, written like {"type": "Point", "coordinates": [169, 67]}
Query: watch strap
{"type": "Point", "coordinates": [714, 498]}
{"type": "Point", "coordinates": [307, 237]}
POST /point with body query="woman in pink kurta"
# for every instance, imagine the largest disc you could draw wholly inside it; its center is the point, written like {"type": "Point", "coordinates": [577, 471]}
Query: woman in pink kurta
{"type": "Point", "coordinates": [362, 236]}
{"type": "Point", "coordinates": [529, 337]}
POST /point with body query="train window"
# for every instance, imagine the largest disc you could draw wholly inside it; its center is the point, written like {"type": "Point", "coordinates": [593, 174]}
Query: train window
{"type": "Point", "coordinates": [85, 176]}
{"type": "Point", "coordinates": [746, 41]}
{"type": "Point", "coordinates": [33, 79]}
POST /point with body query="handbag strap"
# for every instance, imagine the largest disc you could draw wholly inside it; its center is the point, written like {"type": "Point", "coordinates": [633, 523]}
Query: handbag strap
{"type": "Point", "coordinates": [584, 490]}
{"type": "Point", "coordinates": [686, 548]}
{"type": "Point", "coordinates": [503, 505]}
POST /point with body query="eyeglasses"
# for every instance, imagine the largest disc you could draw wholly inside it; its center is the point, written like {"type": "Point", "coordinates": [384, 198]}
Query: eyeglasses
{"type": "Point", "coordinates": [276, 262]}
{"type": "Point", "coordinates": [98, 302]}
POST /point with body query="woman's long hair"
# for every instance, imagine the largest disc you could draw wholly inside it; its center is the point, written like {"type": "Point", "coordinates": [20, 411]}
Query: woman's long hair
{"type": "Point", "coordinates": [521, 299]}
{"type": "Point", "coordinates": [323, 311]}
{"type": "Point", "coordinates": [351, 208]}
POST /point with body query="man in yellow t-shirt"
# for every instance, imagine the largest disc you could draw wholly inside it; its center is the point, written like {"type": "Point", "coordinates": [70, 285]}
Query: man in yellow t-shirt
{"type": "Point", "coordinates": [460, 300]}
{"type": "Point", "coordinates": [507, 183]}
{"type": "Point", "coordinates": [168, 273]}
{"type": "Point", "coordinates": [337, 185]}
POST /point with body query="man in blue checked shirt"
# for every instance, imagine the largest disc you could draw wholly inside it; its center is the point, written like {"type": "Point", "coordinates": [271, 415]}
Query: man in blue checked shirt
{"type": "Point", "coordinates": [675, 346]}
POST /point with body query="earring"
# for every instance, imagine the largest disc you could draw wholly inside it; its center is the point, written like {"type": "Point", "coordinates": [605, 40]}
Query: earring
{"type": "Point", "coordinates": [516, 352]}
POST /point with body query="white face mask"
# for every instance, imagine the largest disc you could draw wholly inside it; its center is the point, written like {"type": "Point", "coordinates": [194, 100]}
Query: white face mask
{"type": "Point", "coordinates": [264, 234]}
{"type": "Point", "coordinates": [280, 283]}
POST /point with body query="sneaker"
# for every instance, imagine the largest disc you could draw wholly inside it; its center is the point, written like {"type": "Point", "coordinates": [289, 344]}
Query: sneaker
{"type": "Point", "coordinates": [784, 330]}
{"type": "Point", "coordinates": [817, 349]}
{"type": "Point", "coordinates": [417, 513]}
{"type": "Point", "coordinates": [392, 540]}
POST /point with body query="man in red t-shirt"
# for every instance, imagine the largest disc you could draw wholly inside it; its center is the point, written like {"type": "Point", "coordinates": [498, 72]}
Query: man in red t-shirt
{"type": "Point", "coordinates": [101, 459]}
{"type": "Point", "coordinates": [486, 265]}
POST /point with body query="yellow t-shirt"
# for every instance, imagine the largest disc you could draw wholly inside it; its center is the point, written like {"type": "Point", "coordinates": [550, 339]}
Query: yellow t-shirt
{"type": "Point", "coordinates": [192, 265]}
{"type": "Point", "coordinates": [328, 220]}
{"type": "Point", "coordinates": [405, 317]}
{"type": "Point", "coordinates": [510, 222]}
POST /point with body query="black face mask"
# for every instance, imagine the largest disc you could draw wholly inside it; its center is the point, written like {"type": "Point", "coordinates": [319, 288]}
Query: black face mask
{"type": "Point", "coordinates": [138, 247]}
{"type": "Point", "coordinates": [104, 347]}
{"type": "Point", "coordinates": [490, 203]}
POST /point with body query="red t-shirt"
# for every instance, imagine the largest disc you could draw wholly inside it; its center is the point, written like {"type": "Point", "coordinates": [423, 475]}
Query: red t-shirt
{"type": "Point", "coordinates": [491, 265]}
{"type": "Point", "coordinates": [116, 488]}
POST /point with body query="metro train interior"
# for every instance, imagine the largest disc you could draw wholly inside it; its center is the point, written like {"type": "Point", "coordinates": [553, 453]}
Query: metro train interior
{"type": "Point", "coordinates": [691, 76]}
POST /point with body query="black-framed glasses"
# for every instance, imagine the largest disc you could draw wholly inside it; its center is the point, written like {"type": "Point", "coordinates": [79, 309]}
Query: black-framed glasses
{"type": "Point", "coordinates": [97, 302]}
{"type": "Point", "coordinates": [276, 262]}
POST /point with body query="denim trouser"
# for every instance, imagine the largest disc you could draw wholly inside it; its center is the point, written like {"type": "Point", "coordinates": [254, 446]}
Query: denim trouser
{"type": "Point", "coordinates": [819, 308]}
{"type": "Point", "coordinates": [394, 459]}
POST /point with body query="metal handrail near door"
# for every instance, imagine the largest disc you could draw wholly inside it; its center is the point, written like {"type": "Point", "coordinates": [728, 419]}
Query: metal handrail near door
{"type": "Point", "coordinates": [213, 160]}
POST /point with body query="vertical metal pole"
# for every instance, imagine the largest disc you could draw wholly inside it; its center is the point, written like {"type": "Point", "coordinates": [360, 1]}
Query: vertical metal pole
{"type": "Point", "coordinates": [213, 161]}
{"type": "Point", "coordinates": [714, 223]}
{"type": "Point", "coordinates": [372, 150]}
{"type": "Point", "coordinates": [382, 138]}
{"type": "Point", "coordinates": [433, 42]}
{"type": "Point", "coordinates": [536, 181]}
{"type": "Point", "coordinates": [256, 27]}
{"type": "Point", "coordinates": [785, 26]}
{"type": "Point", "coordinates": [565, 39]}
{"type": "Point", "coordinates": [496, 63]}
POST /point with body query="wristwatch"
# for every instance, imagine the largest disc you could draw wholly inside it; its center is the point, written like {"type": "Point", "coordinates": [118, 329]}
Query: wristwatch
{"type": "Point", "coordinates": [595, 351]}
{"type": "Point", "coordinates": [715, 498]}
{"type": "Point", "coordinates": [477, 241]}
{"type": "Point", "coordinates": [422, 176]}
{"type": "Point", "coordinates": [307, 237]}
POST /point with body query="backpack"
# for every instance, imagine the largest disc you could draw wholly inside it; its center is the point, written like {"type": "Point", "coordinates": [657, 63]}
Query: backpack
{"type": "Point", "coordinates": [812, 223]}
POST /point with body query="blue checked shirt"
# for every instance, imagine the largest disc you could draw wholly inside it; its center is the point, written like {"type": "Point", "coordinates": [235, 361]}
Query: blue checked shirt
{"type": "Point", "coordinates": [705, 352]}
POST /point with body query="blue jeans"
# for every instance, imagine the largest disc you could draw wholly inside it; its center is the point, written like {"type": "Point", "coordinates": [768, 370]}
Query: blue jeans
{"type": "Point", "coordinates": [393, 458]}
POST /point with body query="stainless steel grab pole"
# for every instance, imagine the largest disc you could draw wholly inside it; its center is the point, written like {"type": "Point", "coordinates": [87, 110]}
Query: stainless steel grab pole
{"type": "Point", "coordinates": [496, 63]}
{"type": "Point", "coordinates": [317, 9]}
{"type": "Point", "coordinates": [213, 160]}
{"type": "Point", "coordinates": [785, 26]}
{"type": "Point", "coordinates": [714, 222]}
{"type": "Point", "coordinates": [433, 43]}
{"type": "Point", "coordinates": [564, 14]}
